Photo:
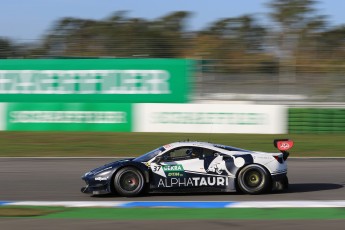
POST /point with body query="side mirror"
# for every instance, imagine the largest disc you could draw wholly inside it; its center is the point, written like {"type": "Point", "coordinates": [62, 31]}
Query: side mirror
{"type": "Point", "coordinates": [158, 159]}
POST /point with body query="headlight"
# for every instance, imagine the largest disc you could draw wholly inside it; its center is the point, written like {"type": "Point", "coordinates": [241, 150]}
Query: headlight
{"type": "Point", "coordinates": [86, 175]}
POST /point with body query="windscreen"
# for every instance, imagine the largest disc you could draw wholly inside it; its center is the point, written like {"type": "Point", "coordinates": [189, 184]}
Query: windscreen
{"type": "Point", "coordinates": [148, 156]}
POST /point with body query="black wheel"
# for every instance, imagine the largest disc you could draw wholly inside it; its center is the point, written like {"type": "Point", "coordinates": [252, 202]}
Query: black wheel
{"type": "Point", "coordinates": [128, 182]}
{"type": "Point", "coordinates": [253, 179]}
{"type": "Point", "coordinates": [285, 182]}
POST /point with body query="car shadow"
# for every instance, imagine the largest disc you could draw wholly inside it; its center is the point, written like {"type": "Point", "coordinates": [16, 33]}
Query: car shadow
{"type": "Point", "coordinates": [312, 187]}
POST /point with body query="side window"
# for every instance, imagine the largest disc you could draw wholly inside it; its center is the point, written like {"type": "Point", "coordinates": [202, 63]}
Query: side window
{"type": "Point", "coordinates": [183, 153]}
{"type": "Point", "coordinates": [178, 153]}
{"type": "Point", "coordinates": [209, 153]}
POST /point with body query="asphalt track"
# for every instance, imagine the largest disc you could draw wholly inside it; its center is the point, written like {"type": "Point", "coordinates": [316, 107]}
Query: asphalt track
{"type": "Point", "coordinates": [54, 179]}
{"type": "Point", "coordinates": [58, 179]}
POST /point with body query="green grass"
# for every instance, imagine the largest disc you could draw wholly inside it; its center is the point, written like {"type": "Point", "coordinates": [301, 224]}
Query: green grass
{"type": "Point", "coordinates": [69, 144]}
{"type": "Point", "coordinates": [175, 213]}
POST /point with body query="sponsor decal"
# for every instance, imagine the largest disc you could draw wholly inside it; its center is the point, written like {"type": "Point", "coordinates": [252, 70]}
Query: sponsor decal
{"type": "Point", "coordinates": [224, 164]}
{"type": "Point", "coordinates": [113, 117]}
{"type": "Point", "coordinates": [173, 168]}
{"type": "Point", "coordinates": [168, 170]}
{"type": "Point", "coordinates": [174, 174]}
{"type": "Point", "coordinates": [101, 178]}
{"type": "Point", "coordinates": [87, 117]}
{"type": "Point", "coordinates": [168, 146]}
{"type": "Point", "coordinates": [285, 145]}
{"type": "Point", "coordinates": [193, 182]}
{"type": "Point", "coordinates": [217, 165]}
{"type": "Point", "coordinates": [210, 118]}
{"type": "Point", "coordinates": [195, 118]}
{"type": "Point", "coordinates": [84, 82]}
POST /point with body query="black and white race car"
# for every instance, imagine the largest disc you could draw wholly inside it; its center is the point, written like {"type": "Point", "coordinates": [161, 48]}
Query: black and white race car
{"type": "Point", "coordinates": [193, 167]}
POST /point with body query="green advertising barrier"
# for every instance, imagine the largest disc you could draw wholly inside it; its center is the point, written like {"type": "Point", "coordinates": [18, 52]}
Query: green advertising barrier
{"type": "Point", "coordinates": [107, 117]}
{"type": "Point", "coordinates": [95, 80]}
{"type": "Point", "coordinates": [316, 120]}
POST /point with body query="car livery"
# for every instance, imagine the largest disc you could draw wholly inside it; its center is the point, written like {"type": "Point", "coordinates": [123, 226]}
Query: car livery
{"type": "Point", "coordinates": [193, 167]}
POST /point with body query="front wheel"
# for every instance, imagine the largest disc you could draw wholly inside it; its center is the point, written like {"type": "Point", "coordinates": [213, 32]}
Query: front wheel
{"type": "Point", "coordinates": [128, 182]}
{"type": "Point", "coordinates": [253, 179]}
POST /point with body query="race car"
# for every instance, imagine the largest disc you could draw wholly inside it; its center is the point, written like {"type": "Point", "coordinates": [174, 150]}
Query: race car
{"type": "Point", "coordinates": [191, 166]}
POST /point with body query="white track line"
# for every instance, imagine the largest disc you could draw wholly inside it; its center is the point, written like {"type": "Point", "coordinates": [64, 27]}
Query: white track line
{"type": "Point", "coordinates": [184, 204]}
{"type": "Point", "coordinates": [289, 204]}
{"type": "Point", "coordinates": [69, 203]}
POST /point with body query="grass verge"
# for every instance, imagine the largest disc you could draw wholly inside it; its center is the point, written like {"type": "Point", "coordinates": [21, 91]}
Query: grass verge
{"type": "Point", "coordinates": [87, 144]}
{"type": "Point", "coordinates": [175, 213]}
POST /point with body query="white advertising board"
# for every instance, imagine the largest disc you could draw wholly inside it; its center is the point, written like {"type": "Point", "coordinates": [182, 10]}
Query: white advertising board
{"type": "Point", "coordinates": [2, 116]}
{"type": "Point", "coordinates": [210, 118]}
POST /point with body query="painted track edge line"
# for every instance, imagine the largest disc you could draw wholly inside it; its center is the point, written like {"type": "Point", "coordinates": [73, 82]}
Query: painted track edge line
{"type": "Point", "coordinates": [183, 204]}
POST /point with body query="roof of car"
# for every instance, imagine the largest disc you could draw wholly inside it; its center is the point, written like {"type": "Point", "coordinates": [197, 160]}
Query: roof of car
{"type": "Point", "coordinates": [188, 143]}
{"type": "Point", "coordinates": [202, 144]}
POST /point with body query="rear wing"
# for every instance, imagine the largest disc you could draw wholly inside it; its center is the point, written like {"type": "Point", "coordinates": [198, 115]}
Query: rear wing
{"type": "Point", "coordinates": [283, 145]}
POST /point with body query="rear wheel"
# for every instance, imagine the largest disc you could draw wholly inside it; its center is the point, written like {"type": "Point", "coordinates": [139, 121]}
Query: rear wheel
{"type": "Point", "coordinates": [285, 182]}
{"type": "Point", "coordinates": [128, 182]}
{"type": "Point", "coordinates": [253, 179]}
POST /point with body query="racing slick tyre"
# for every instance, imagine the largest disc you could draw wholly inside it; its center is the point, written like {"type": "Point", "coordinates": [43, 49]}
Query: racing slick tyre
{"type": "Point", "coordinates": [285, 183]}
{"type": "Point", "coordinates": [253, 179]}
{"type": "Point", "coordinates": [128, 181]}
